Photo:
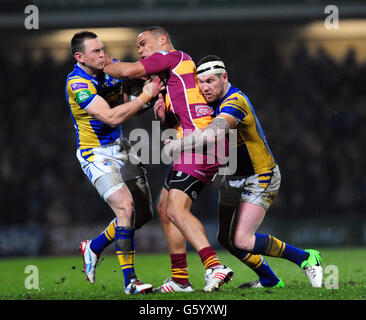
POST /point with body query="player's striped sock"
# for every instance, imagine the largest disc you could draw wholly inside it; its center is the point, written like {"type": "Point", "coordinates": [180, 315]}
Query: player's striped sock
{"type": "Point", "coordinates": [259, 265]}
{"type": "Point", "coordinates": [271, 246]}
{"type": "Point", "coordinates": [179, 268]}
{"type": "Point", "coordinates": [98, 244]}
{"type": "Point", "coordinates": [209, 258]}
{"type": "Point", "coordinates": [125, 249]}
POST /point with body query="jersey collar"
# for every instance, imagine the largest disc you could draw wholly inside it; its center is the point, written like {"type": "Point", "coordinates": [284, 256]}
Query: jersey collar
{"type": "Point", "coordinates": [229, 92]}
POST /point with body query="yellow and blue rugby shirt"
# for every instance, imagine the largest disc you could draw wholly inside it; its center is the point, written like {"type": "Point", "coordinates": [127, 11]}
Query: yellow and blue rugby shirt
{"type": "Point", "coordinates": [81, 89]}
{"type": "Point", "coordinates": [254, 154]}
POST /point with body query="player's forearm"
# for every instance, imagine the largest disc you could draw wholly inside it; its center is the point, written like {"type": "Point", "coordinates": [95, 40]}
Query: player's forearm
{"type": "Point", "coordinates": [123, 112]}
{"type": "Point", "coordinates": [199, 139]}
{"type": "Point", "coordinates": [125, 70]}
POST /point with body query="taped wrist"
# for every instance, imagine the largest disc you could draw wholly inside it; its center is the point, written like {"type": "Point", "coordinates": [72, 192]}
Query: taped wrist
{"type": "Point", "coordinates": [144, 97]}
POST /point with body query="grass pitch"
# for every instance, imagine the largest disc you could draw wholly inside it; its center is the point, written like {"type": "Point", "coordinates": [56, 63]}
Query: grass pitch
{"type": "Point", "coordinates": [60, 278]}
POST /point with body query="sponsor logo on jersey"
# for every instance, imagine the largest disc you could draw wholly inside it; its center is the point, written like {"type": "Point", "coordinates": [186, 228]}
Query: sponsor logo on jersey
{"type": "Point", "coordinates": [204, 110]}
{"type": "Point", "coordinates": [79, 85]}
{"type": "Point", "coordinates": [82, 95]}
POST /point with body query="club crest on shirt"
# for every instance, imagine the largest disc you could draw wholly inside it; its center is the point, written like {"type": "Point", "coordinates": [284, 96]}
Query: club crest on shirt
{"type": "Point", "coordinates": [107, 163]}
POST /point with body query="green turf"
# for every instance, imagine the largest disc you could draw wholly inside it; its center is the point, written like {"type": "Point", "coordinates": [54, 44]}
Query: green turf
{"type": "Point", "coordinates": [61, 278]}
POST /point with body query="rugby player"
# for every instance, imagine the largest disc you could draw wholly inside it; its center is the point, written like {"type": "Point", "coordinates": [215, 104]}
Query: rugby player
{"type": "Point", "coordinates": [246, 196]}
{"type": "Point", "coordinates": [97, 112]}
{"type": "Point", "coordinates": [186, 178]}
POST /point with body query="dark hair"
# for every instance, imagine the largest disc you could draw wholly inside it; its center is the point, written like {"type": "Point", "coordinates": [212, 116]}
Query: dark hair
{"type": "Point", "coordinates": [157, 30]}
{"type": "Point", "coordinates": [77, 41]}
{"type": "Point", "coordinates": [208, 58]}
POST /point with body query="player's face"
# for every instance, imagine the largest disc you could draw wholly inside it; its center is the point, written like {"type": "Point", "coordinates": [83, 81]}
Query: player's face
{"type": "Point", "coordinates": [147, 44]}
{"type": "Point", "coordinates": [212, 86]}
{"type": "Point", "coordinates": [93, 55]}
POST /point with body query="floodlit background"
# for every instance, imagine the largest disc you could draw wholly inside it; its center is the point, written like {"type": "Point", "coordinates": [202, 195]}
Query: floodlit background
{"type": "Point", "coordinates": [306, 83]}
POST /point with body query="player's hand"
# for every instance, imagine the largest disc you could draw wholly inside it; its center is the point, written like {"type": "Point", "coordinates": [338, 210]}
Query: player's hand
{"type": "Point", "coordinates": [153, 87]}
{"type": "Point", "coordinates": [159, 107]}
{"type": "Point", "coordinates": [108, 59]}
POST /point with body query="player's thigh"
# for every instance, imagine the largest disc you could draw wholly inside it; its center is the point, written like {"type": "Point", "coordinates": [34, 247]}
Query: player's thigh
{"type": "Point", "coordinates": [258, 194]}
{"type": "Point", "coordinates": [108, 183]}
{"type": "Point", "coordinates": [178, 201]}
{"type": "Point", "coordinates": [249, 218]}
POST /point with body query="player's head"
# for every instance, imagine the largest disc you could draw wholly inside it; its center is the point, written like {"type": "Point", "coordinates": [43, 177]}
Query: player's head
{"type": "Point", "coordinates": [153, 39]}
{"type": "Point", "coordinates": [88, 50]}
{"type": "Point", "coordinates": [212, 78]}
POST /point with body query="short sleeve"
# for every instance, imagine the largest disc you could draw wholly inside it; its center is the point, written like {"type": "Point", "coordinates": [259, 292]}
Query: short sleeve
{"type": "Point", "coordinates": [160, 61]}
{"type": "Point", "coordinates": [83, 91]}
{"type": "Point", "coordinates": [234, 107]}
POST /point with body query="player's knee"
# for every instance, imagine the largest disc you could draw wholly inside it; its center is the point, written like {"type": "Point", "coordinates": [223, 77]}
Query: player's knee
{"type": "Point", "coordinates": [163, 216]}
{"type": "Point", "coordinates": [122, 206]}
{"type": "Point", "coordinates": [160, 208]}
{"type": "Point", "coordinates": [243, 241]}
{"type": "Point", "coordinates": [125, 209]}
{"type": "Point", "coordinates": [172, 212]}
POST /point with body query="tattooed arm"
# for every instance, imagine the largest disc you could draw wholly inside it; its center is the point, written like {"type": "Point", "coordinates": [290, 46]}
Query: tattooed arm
{"type": "Point", "coordinates": [214, 132]}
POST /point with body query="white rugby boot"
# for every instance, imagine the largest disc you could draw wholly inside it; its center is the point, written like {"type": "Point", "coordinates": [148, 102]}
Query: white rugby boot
{"type": "Point", "coordinates": [136, 286]}
{"type": "Point", "coordinates": [90, 260]}
{"type": "Point", "coordinates": [313, 269]}
{"type": "Point", "coordinates": [170, 286]}
{"type": "Point", "coordinates": [216, 277]}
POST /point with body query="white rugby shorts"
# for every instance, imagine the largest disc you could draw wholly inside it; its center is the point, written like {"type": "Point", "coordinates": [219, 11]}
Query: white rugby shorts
{"type": "Point", "coordinates": [107, 159]}
{"type": "Point", "coordinates": [260, 189]}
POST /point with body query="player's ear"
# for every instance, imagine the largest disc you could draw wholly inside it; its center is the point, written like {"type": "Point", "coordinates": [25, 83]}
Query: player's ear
{"type": "Point", "coordinates": [225, 77]}
{"type": "Point", "coordinates": [163, 39]}
{"type": "Point", "coordinates": [78, 56]}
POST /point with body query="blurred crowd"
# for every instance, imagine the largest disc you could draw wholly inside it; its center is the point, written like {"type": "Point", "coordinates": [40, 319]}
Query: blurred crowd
{"type": "Point", "coordinates": [311, 107]}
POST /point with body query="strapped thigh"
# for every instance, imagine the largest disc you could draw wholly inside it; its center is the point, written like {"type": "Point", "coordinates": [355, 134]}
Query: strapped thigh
{"type": "Point", "coordinates": [108, 184]}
